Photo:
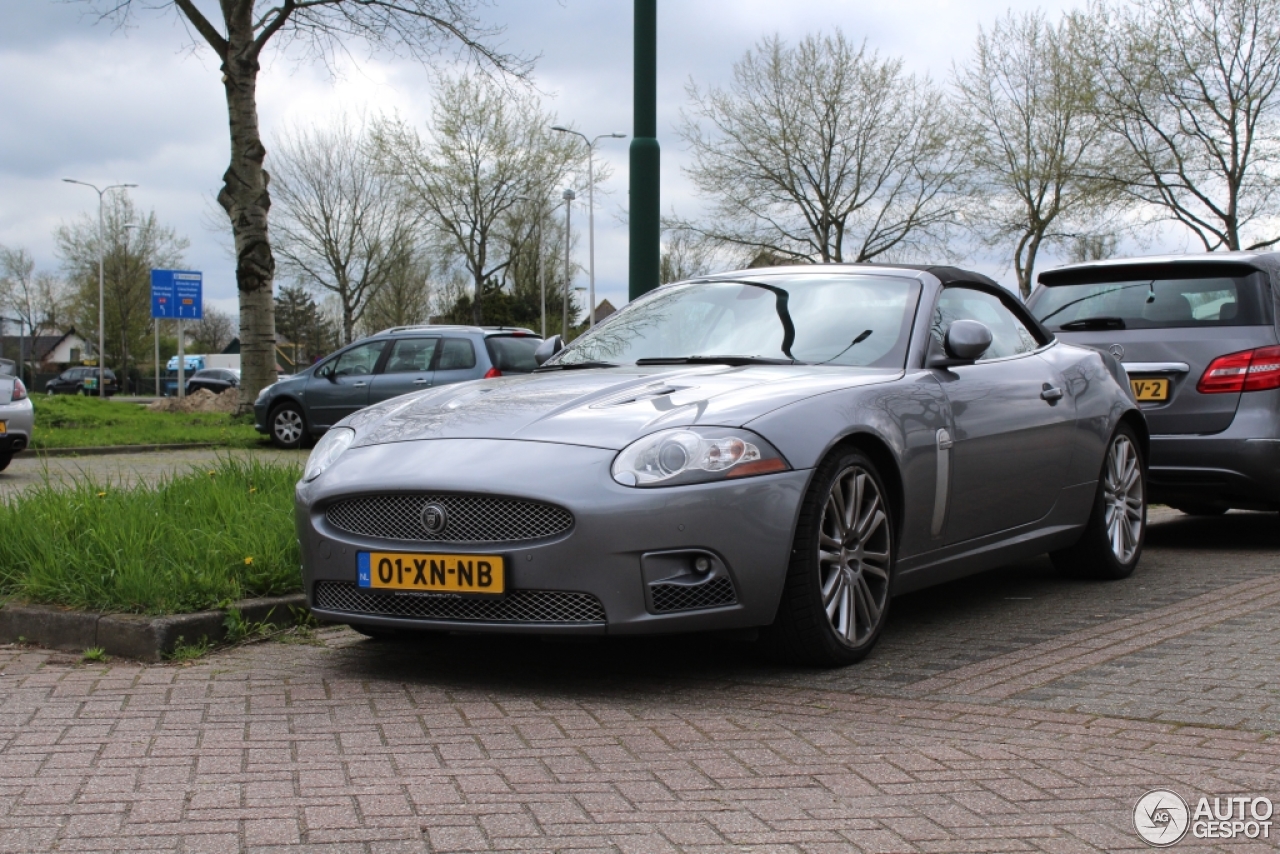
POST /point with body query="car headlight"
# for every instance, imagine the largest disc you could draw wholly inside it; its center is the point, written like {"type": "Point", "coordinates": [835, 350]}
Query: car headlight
{"type": "Point", "coordinates": [327, 450]}
{"type": "Point", "coordinates": [695, 455]}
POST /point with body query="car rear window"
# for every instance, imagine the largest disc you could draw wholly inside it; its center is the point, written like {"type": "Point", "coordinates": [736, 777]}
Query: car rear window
{"type": "Point", "coordinates": [1131, 300]}
{"type": "Point", "coordinates": [512, 354]}
{"type": "Point", "coordinates": [456, 354]}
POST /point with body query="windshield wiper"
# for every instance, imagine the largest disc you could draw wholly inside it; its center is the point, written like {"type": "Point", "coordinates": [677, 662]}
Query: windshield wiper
{"type": "Point", "coordinates": [575, 366]}
{"type": "Point", "coordinates": [715, 360]}
{"type": "Point", "coordinates": [1093, 323]}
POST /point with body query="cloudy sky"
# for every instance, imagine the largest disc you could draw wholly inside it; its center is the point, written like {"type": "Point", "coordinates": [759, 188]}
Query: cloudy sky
{"type": "Point", "coordinates": [85, 100]}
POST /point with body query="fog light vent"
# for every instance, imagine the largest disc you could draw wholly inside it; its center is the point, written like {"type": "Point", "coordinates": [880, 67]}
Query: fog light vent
{"type": "Point", "coordinates": [713, 593]}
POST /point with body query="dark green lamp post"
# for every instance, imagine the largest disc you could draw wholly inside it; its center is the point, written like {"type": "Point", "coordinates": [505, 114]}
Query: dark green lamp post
{"type": "Point", "coordinates": [645, 215]}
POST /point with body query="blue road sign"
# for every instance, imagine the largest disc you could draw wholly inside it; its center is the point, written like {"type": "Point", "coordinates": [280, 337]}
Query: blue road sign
{"type": "Point", "coordinates": [177, 294]}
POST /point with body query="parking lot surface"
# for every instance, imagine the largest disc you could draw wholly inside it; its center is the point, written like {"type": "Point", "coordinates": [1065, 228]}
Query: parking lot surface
{"type": "Point", "coordinates": [1013, 711]}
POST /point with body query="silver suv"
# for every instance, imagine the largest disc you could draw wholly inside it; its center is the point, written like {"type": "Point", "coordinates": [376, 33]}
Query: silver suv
{"type": "Point", "coordinates": [1198, 337]}
{"type": "Point", "coordinates": [390, 363]}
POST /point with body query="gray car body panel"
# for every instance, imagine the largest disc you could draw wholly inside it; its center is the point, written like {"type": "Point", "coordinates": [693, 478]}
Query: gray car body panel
{"type": "Point", "coordinates": [19, 418]}
{"type": "Point", "coordinates": [552, 437]}
{"type": "Point", "coordinates": [1207, 450]}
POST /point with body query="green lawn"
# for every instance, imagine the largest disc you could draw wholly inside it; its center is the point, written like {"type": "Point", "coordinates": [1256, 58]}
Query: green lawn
{"type": "Point", "coordinates": [82, 422]}
{"type": "Point", "coordinates": [189, 542]}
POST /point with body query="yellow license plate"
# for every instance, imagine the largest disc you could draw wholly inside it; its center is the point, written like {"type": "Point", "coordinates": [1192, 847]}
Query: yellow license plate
{"type": "Point", "coordinates": [1150, 389]}
{"type": "Point", "coordinates": [483, 575]}
{"type": "Point", "coordinates": [3, 428]}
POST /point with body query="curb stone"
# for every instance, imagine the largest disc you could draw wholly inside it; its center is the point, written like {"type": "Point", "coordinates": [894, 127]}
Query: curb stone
{"type": "Point", "coordinates": [135, 635]}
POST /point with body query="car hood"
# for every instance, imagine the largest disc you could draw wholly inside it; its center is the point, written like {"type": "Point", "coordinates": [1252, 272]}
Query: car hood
{"type": "Point", "coordinates": [602, 408]}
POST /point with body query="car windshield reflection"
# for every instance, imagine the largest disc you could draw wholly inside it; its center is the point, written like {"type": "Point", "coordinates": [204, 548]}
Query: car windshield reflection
{"type": "Point", "coordinates": [841, 319]}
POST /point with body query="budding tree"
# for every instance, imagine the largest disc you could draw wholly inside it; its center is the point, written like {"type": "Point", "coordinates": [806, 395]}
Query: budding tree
{"type": "Point", "coordinates": [1188, 90]}
{"type": "Point", "coordinates": [239, 32]}
{"type": "Point", "coordinates": [824, 152]}
{"type": "Point", "coordinates": [1028, 111]}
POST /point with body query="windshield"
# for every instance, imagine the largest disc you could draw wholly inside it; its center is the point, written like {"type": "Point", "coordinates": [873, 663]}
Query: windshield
{"type": "Point", "coordinates": [836, 319]}
{"type": "Point", "coordinates": [1151, 304]}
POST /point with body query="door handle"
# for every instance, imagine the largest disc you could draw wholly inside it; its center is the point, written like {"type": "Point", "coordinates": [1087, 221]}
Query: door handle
{"type": "Point", "coordinates": [422, 382]}
{"type": "Point", "coordinates": [358, 385]}
{"type": "Point", "coordinates": [1051, 394]}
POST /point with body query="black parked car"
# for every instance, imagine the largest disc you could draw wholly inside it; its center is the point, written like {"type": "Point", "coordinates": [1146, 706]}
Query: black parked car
{"type": "Point", "coordinates": [82, 380]}
{"type": "Point", "coordinates": [216, 380]}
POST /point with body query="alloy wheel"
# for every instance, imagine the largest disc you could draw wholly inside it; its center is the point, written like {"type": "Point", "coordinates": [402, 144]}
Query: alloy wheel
{"type": "Point", "coordinates": [1123, 498]}
{"type": "Point", "coordinates": [854, 554]}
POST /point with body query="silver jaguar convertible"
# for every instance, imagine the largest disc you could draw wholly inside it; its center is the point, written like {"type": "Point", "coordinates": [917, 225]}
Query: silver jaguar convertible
{"type": "Point", "coordinates": [785, 449]}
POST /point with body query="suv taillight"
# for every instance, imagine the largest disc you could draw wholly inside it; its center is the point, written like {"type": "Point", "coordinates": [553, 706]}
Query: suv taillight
{"type": "Point", "coordinates": [492, 373]}
{"type": "Point", "coordinates": [19, 390]}
{"type": "Point", "coordinates": [1249, 370]}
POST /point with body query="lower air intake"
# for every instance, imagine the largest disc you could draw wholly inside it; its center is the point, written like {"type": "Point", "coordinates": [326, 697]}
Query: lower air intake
{"type": "Point", "coordinates": [518, 606]}
{"type": "Point", "coordinates": [691, 597]}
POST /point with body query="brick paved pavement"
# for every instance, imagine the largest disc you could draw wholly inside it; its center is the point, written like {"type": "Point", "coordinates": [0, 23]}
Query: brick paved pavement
{"type": "Point", "coordinates": [1012, 712]}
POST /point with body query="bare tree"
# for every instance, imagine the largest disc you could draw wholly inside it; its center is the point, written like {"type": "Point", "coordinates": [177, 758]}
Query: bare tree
{"type": "Point", "coordinates": [686, 255]}
{"type": "Point", "coordinates": [36, 298]}
{"type": "Point", "coordinates": [213, 331]}
{"type": "Point", "coordinates": [1027, 109]}
{"type": "Point", "coordinates": [342, 225]}
{"type": "Point", "coordinates": [488, 150]}
{"type": "Point", "coordinates": [320, 28]}
{"type": "Point", "coordinates": [1188, 90]}
{"type": "Point", "coordinates": [824, 152]}
{"type": "Point", "coordinates": [404, 298]}
{"type": "Point", "coordinates": [134, 245]}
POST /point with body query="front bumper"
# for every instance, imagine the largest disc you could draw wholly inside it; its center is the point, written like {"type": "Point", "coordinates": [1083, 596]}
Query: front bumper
{"type": "Point", "coordinates": [1239, 467]}
{"type": "Point", "coordinates": [19, 422]}
{"type": "Point", "coordinates": [622, 548]}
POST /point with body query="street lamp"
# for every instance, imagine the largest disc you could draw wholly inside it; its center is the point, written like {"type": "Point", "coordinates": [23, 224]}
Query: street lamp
{"type": "Point", "coordinates": [102, 248]}
{"type": "Point", "coordinates": [591, 209]}
{"type": "Point", "coordinates": [568, 195]}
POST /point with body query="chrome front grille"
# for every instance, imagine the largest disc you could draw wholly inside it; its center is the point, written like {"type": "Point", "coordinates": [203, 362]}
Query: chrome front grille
{"type": "Point", "coordinates": [518, 606]}
{"type": "Point", "coordinates": [468, 518]}
{"type": "Point", "coordinates": [691, 597]}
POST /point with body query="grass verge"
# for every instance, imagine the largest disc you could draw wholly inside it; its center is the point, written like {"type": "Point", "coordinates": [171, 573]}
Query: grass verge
{"type": "Point", "coordinates": [186, 543]}
{"type": "Point", "coordinates": [85, 422]}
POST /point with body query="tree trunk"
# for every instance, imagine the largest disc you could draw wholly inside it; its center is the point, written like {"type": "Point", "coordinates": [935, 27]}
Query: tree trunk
{"type": "Point", "coordinates": [245, 198]}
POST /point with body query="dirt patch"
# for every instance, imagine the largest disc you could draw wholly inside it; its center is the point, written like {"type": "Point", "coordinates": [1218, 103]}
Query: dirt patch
{"type": "Point", "coordinates": [199, 401]}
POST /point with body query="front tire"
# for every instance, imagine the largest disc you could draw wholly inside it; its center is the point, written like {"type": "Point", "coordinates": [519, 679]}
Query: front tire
{"type": "Point", "coordinates": [288, 426]}
{"type": "Point", "coordinates": [1112, 541]}
{"type": "Point", "coordinates": [836, 598]}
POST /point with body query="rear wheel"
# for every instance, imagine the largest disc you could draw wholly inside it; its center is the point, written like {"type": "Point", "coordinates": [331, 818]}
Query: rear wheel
{"type": "Point", "coordinates": [1112, 540]}
{"type": "Point", "coordinates": [288, 427]}
{"type": "Point", "coordinates": [836, 598]}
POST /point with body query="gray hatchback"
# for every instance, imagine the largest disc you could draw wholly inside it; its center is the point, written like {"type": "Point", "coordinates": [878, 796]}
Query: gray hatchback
{"type": "Point", "coordinates": [390, 363]}
{"type": "Point", "coordinates": [1198, 337]}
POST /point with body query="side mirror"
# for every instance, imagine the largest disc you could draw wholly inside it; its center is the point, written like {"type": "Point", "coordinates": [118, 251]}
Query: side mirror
{"type": "Point", "coordinates": [963, 344]}
{"type": "Point", "coordinates": [547, 349]}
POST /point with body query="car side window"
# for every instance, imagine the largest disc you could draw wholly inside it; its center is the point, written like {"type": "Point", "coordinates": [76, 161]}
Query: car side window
{"type": "Point", "coordinates": [358, 360]}
{"type": "Point", "coordinates": [456, 354]}
{"type": "Point", "coordinates": [1009, 335]}
{"type": "Point", "coordinates": [411, 354]}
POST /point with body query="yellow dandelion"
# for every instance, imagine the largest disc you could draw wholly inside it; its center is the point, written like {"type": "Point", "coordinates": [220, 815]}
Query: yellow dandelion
{"type": "Point", "coordinates": [212, 473]}
{"type": "Point", "coordinates": [248, 561]}
{"type": "Point", "coordinates": [252, 490]}
{"type": "Point", "coordinates": [102, 495]}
